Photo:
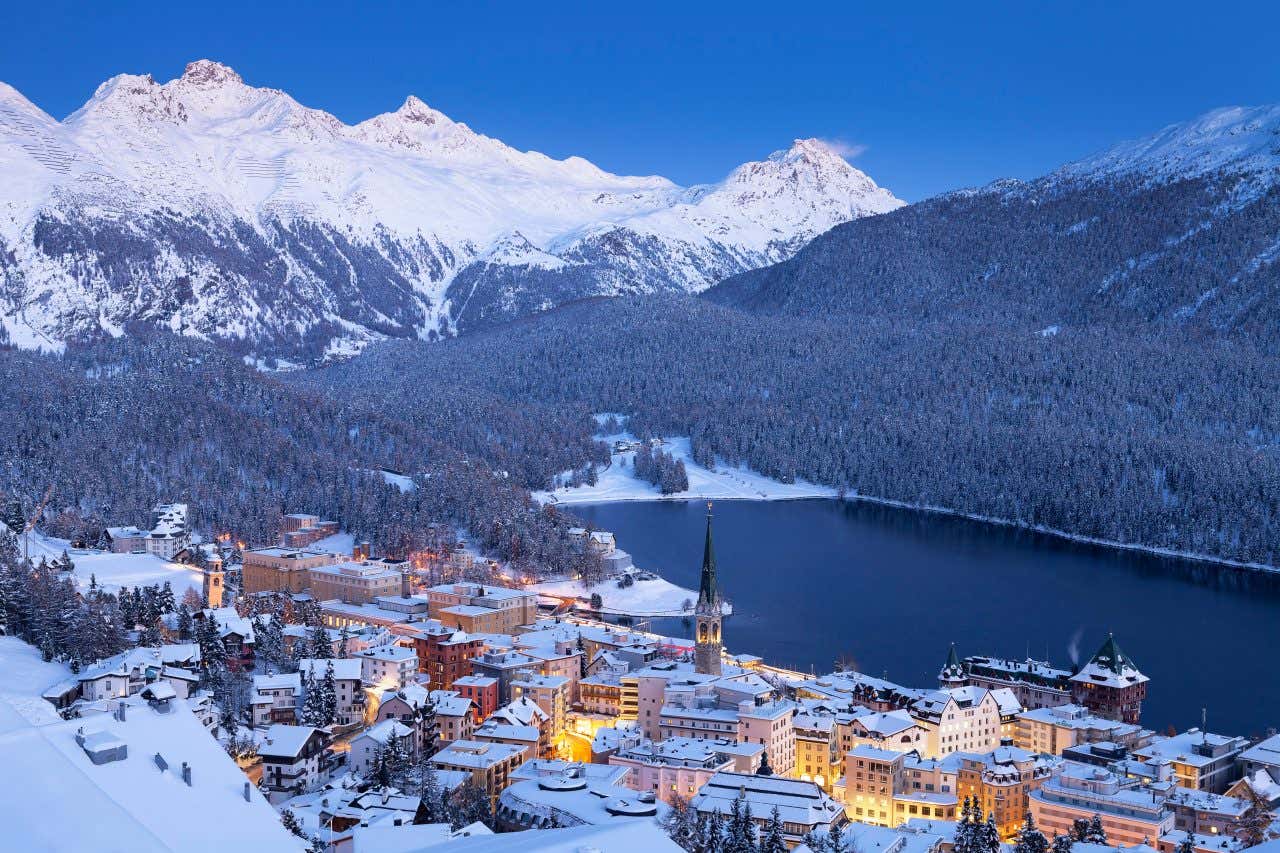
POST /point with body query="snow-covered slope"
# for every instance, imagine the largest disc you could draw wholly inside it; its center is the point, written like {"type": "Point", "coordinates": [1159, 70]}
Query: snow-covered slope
{"type": "Point", "coordinates": [1238, 140]}
{"type": "Point", "coordinates": [231, 211]}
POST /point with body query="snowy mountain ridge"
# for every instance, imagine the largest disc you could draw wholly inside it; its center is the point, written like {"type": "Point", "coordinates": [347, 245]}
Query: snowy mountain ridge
{"type": "Point", "coordinates": [234, 212]}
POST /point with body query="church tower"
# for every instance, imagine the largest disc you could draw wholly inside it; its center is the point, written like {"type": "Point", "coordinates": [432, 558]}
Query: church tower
{"type": "Point", "coordinates": [212, 580]}
{"type": "Point", "coordinates": [952, 673]}
{"type": "Point", "coordinates": [709, 612]}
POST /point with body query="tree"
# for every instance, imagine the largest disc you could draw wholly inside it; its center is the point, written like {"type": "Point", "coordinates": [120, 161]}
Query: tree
{"type": "Point", "coordinates": [836, 842]}
{"type": "Point", "coordinates": [321, 645]}
{"type": "Point", "coordinates": [469, 804]}
{"type": "Point", "coordinates": [774, 839]}
{"type": "Point", "coordinates": [344, 638]}
{"type": "Point", "coordinates": [1062, 843]}
{"type": "Point", "coordinates": [965, 840]}
{"type": "Point", "coordinates": [1254, 826]}
{"type": "Point", "coordinates": [681, 824]}
{"type": "Point", "coordinates": [313, 706]}
{"type": "Point", "coordinates": [329, 695]}
{"type": "Point", "coordinates": [1029, 838]}
{"type": "Point", "coordinates": [1095, 834]}
{"type": "Point", "coordinates": [290, 821]}
{"type": "Point", "coordinates": [986, 838]}
{"type": "Point", "coordinates": [596, 601]}
{"type": "Point", "coordinates": [1186, 845]}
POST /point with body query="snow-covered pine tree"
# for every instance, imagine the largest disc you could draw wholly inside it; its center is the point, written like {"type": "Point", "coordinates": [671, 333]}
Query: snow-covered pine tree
{"type": "Point", "coordinates": [1030, 839]}
{"type": "Point", "coordinates": [986, 838]}
{"type": "Point", "coordinates": [290, 821]}
{"type": "Point", "coordinates": [344, 639]}
{"type": "Point", "coordinates": [1095, 833]}
{"type": "Point", "coordinates": [321, 646]}
{"type": "Point", "coordinates": [1062, 843]}
{"type": "Point", "coordinates": [773, 840]}
{"type": "Point", "coordinates": [469, 804]}
{"type": "Point", "coordinates": [312, 701]}
{"type": "Point", "coordinates": [329, 695]}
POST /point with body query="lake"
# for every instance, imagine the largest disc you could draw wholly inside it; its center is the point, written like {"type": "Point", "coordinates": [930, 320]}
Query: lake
{"type": "Point", "coordinates": [811, 580]}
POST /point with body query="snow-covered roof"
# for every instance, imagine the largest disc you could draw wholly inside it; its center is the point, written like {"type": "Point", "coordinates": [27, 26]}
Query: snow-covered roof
{"type": "Point", "coordinates": [798, 801]}
{"type": "Point", "coordinates": [65, 802]}
{"type": "Point", "coordinates": [285, 741]}
{"type": "Point", "coordinates": [383, 731]}
{"type": "Point", "coordinates": [492, 728]}
{"type": "Point", "coordinates": [621, 836]}
{"type": "Point", "coordinates": [278, 681]}
{"type": "Point", "coordinates": [344, 669]}
{"type": "Point", "coordinates": [474, 754]}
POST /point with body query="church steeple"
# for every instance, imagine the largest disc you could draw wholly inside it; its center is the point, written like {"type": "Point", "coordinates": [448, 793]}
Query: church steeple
{"type": "Point", "coordinates": [707, 585]}
{"type": "Point", "coordinates": [952, 673]}
{"type": "Point", "coordinates": [709, 612]}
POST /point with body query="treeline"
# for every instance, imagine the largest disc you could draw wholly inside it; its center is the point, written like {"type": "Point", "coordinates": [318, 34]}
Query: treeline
{"type": "Point", "coordinates": [1106, 431]}
{"type": "Point", "coordinates": [117, 427]}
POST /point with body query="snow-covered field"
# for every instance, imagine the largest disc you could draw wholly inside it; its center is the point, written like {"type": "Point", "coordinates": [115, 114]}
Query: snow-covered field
{"type": "Point", "coordinates": [655, 597]}
{"type": "Point", "coordinates": [113, 571]}
{"type": "Point", "coordinates": [619, 483]}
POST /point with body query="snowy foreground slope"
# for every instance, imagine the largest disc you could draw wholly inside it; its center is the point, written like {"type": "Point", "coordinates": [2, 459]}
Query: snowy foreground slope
{"type": "Point", "coordinates": [230, 211]}
{"type": "Point", "coordinates": [63, 801]}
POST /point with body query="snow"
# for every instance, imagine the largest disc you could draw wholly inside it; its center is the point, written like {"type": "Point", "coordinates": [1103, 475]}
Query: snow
{"type": "Point", "coordinates": [65, 802]}
{"type": "Point", "coordinates": [209, 145]}
{"type": "Point", "coordinates": [114, 571]}
{"type": "Point", "coordinates": [1233, 139]}
{"type": "Point", "coordinates": [657, 597]}
{"type": "Point", "coordinates": [401, 481]}
{"type": "Point", "coordinates": [616, 836]}
{"type": "Point", "coordinates": [338, 543]}
{"type": "Point", "coordinates": [619, 483]}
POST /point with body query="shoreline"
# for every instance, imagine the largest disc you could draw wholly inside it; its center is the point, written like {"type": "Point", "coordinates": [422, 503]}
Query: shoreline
{"type": "Point", "coordinates": [1150, 550]}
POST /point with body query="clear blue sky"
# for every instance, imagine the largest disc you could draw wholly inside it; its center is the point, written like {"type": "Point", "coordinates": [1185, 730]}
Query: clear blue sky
{"type": "Point", "coordinates": [934, 95]}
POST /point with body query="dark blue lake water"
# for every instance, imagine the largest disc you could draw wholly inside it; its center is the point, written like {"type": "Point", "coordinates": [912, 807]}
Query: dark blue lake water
{"type": "Point", "coordinates": [815, 579]}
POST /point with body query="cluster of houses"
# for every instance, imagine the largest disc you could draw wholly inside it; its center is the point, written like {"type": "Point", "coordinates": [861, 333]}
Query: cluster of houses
{"type": "Point", "coordinates": [567, 723]}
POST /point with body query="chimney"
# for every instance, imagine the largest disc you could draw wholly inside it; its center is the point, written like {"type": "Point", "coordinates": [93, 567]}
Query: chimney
{"type": "Point", "coordinates": [246, 792]}
{"type": "Point", "coordinates": [405, 589]}
{"type": "Point", "coordinates": [120, 713]}
{"type": "Point", "coordinates": [186, 773]}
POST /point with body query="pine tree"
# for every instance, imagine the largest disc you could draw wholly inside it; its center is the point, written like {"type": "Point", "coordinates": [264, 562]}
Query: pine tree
{"type": "Point", "coordinates": [1062, 843]}
{"type": "Point", "coordinates": [469, 804]}
{"type": "Point", "coordinates": [321, 647]}
{"type": "Point", "coordinates": [1095, 834]}
{"type": "Point", "coordinates": [165, 599]}
{"type": "Point", "coordinates": [1254, 826]}
{"type": "Point", "coordinates": [774, 840]}
{"type": "Point", "coordinates": [1079, 829]}
{"type": "Point", "coordinates": [1030, 839]}
{"type": "Point", "coordinates": [312, 701]}
{"type": "Point", "coordinates": [329, 695]}
{"type": "Point", "coordinates": [987, 835]}
{"type": "Point", "coordinates": [965, 840]}
{"type": "Point", "coordinates": [186, 626]}
{"type": "Point", "coordinates": [290, 821]}
{"type": "Point", "coordinates": [836, 842]}
{"type": "Point", "coordinates": [1186, 845]}
{"type": "Point", "coordinates": [681, 824]}
{"type": "Point", "coordinates": [344, 638]}
{"type": "Point", "coordinates": [713, 840]}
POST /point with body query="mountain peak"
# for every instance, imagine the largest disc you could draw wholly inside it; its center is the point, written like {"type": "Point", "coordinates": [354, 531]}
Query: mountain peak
{"type": "Point", "coordinates": [206, 72]}
{"type": "Point", "coordinates": [416, 110]}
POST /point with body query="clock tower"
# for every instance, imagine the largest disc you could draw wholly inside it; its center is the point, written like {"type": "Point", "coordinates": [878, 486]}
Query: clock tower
{"type": "Point", "coordinates": [709, 612]}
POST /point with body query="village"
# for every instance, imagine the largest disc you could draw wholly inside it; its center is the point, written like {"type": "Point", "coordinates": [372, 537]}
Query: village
{"type": "Point", "coordinates": [346, 701]}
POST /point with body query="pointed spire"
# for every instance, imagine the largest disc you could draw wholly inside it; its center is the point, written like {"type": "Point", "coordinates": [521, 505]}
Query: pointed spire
{"type": "Point", "coordinates": [707, 585]}
{"type": "Point", "coordinates": [1111, 657]}
{"type": "Point", "coordinates": [952, 670]}
{"type": "Point", "coordinates": [764, 769]}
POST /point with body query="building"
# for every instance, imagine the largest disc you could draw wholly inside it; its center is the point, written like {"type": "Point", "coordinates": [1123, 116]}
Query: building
{"type": "Point", "coordinates": [504, 667]}
{"type": "Point", "coordinates": [482, 609]}
{"type": "Point", "coordinates": [548, 692]}
{"type": "Point", "coordinates": [295, 759]}
{"type": "Point", "coordinates": [870, 778]}
{"type": "Point", "coordinates": [280, 569]}
{"type": "Point", "coordinates": [817, 759]}
{"type": "Point", "coordinates": [276, 699]}
{"type": "Point", "coordinates": [771, 724]}
{"type": "Point", "coordinates": [1036, 684]}
{"type": "Point", "coordinates": [803, 806]}
{"type": "Point", "coordinates": [445, 654]}
{"type": "Point", "coordinates": [1110, 684]}
{"type": "Point", "coordinates": [1001, 781]}
{"type": "Point", "coordinates": [356, 582]}
{"type": "Point", "coordinates": [1201, 761]}
{"type": "Point", "coordinates": [678, 766]}
{"type": "Point", "coordinates": [1264, 756]}
{"type": "Point", "coordinates": [455, 715]}
{"type": "Point", "coordinates": [387, 666]}
{"type": "Point", "coordinates": [896, 731]}
{"type": "Point", "coordinates": [366, 746]}
{"type": "Point", "coordinates": [413, 707]}
{"type": "Point", "coordinates": [298, 530]}
{"type": "Point", "coordinates": [708, 613]}
{"type": "Point", "coordinates": [348, 685]}
{"type": "Point", "coordinates": [568, 795]}
{"type": "Point", "coordinates": [1130, 812]}
{"type": "Point", "coordinates": [958, 719]}
{"type": "Point", "coordinates": [527, 738]}
{"type": "Point", "coordinates": [167, 535]}
{"type": "Point", "coordinates": [481, 690]}
{"type": "Point", "coordinates": [1062, 727]}
{"type": "Point", "coordinates": [489, 765]}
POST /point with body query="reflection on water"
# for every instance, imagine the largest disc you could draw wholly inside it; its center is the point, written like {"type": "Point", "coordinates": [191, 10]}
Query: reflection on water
{"type": "Point", "coordinates": [815, 580]}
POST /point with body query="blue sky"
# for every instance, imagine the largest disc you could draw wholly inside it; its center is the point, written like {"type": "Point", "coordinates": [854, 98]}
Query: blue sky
{"type": "Point", "coordinates": [932, 98]}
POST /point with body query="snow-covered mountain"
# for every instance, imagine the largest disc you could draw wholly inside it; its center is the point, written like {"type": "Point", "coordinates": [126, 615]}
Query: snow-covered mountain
{"type": "Point", "coordinates": [234, 212]}
{"type": "Point", "coordinates": [1181, 228]}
